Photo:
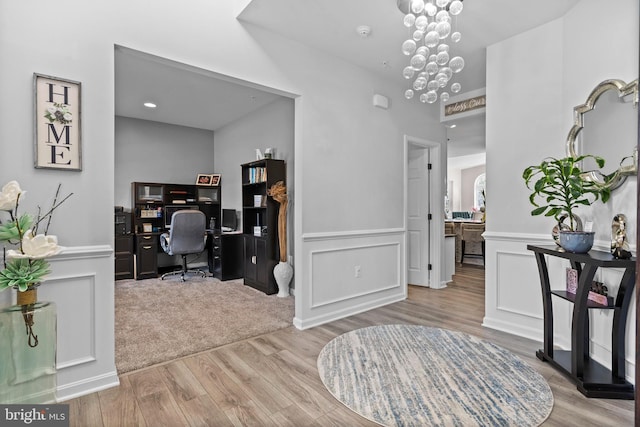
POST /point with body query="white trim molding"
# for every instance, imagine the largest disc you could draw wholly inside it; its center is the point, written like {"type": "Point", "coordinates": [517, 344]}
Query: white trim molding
{"type": "Point", "coordinates": [350, 272]}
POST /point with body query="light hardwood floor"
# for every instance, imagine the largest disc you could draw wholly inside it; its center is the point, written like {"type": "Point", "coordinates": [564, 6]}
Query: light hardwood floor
{"type": "Point", "coordinates": [272, 380]}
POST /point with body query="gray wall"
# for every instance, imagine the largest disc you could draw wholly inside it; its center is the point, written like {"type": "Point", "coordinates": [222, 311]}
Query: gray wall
{"type": "Point", "coordinates": [236, 143]}
{"type": "Point", "coordinates": [147, 151]}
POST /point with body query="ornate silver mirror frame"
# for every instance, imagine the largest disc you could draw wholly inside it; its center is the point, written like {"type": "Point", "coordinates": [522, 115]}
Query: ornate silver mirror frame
{"type": "Point", "coordinates": [627, 165]}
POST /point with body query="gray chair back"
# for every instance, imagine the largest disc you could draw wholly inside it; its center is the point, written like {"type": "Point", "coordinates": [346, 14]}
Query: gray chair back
{"type": "Point", "coordinates": [187, 232]}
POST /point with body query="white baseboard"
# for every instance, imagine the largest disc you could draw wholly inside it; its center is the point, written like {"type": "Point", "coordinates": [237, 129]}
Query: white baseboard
{"type": "Point", "coordinates": [513, 329]}
{"type": "Point", "coordinates": [340, 314]}
{"type": "Point", "coordinates": [87, 386]}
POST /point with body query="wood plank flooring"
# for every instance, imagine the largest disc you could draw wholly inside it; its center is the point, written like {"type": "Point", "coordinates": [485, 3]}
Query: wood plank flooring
{"type": "Point", "coordinates": [272, 380]}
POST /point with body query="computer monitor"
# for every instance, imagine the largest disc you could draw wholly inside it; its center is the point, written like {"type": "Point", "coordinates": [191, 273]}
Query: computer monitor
{"type": "Point", "coordinates": [229, 220]}
{"type": "Point", "coordinates": [171, 209]}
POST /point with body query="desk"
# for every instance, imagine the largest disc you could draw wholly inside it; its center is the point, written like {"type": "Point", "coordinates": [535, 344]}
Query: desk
{"type": "Point", "coordinates": [153, 204]}
{"type": "Point", "coordinates": [147, 246]}
{"type": "Point", "coordinates": [224, 254]}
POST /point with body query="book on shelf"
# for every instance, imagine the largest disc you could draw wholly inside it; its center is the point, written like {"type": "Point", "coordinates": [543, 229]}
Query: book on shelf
{"type": "Point", "coordinates": [150, 213]}
{"type": "Point", "coordinates": [257, 175]}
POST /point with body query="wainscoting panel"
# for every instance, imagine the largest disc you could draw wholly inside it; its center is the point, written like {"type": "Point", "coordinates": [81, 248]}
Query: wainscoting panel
{"type": "Point", "coordinates": [353, 271]}
{"type": "Point", "coordinates": [349, 273]}
{"type": "Point", "coordinates": [81, 285]}
{"type": "Point", "coordinates": [512, 267]}
{"type": "Point", "coordinates": [78, 329]}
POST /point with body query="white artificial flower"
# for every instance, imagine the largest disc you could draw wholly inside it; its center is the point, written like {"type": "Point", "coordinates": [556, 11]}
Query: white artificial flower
{"type": "Point", "coordinates": [67, 116]}
{"type": "Point", "coordinates": [36, 247]}
{"type": "Point", "coordinates": [51, 110]}
{"type": "Point", "coordinates": [9, 196]}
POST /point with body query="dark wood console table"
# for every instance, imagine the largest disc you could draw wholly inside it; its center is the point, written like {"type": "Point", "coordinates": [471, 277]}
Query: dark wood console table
{"type": "Point", "coordinates": [592, 379]}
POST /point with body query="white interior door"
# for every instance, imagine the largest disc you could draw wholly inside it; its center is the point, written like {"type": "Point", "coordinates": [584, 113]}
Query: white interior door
{"type": "Point", "coordinates": [417, 216]}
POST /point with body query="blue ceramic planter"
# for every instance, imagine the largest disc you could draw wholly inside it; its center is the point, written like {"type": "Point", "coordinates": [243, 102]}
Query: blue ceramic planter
{"type": "Point", "coordinates": [578, 242]}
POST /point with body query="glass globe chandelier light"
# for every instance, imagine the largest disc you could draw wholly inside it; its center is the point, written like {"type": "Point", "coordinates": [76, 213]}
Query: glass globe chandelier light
{"type": "Point", "coordinates": [432, 64]}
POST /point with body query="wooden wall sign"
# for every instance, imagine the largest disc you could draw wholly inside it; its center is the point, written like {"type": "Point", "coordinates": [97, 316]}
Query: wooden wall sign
{"type": "Point", "coordinates": [57, 123]}
{"type": "Point", "coordinates": [465, 105]}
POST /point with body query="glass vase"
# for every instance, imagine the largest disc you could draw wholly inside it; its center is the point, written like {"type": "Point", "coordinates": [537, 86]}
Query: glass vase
{"type": "Point", "coordinates": [28, 351]}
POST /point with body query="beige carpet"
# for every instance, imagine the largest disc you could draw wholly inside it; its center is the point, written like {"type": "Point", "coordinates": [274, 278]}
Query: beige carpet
{"type": "Point", "coordinates": [159, 320]}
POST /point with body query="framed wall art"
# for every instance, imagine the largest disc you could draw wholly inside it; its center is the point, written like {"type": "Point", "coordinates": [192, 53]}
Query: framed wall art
{"type": "Point", "coordinates": [203, 179]}
{"type": "Point", "coordinates": [57, 123]}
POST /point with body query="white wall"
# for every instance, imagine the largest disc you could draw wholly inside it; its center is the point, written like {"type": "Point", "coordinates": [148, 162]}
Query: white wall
{"type": "Point", "coordinates": [343, 211]}
{"type": "Point", "coordinates": [455, 165]}
{"type": "Point", "coordinates": [549, 69]}
{"type": "Point", "coordinates": [147, 151]}
{"type": "Point", "coordinates": [468, 179]}
{"type": "Point", "coordinates": [343, 145]}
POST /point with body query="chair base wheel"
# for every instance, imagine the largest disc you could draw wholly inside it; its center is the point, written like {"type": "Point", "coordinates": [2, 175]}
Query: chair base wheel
{"type": "Point", "coordinates": [183, 274]}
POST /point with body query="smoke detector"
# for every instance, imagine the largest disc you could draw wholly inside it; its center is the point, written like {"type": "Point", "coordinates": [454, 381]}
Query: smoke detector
{"type": "Point", "coordinates": [363, 30]}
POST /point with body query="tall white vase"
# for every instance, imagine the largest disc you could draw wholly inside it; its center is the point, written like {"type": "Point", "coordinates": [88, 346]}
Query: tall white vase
{"type": "Point", "coordinates": [283, 273]}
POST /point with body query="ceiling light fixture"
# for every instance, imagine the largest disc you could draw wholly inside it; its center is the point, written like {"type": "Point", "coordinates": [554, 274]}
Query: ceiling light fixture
{"type": "Point", "coordinates": [150, 105]}
{"type": "Point", "coordinates": [363, 31]}
{"type": "Point", "coordinates": [431, 66]}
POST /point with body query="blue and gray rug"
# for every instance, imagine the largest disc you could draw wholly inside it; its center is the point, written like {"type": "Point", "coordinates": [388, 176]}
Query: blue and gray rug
{"type": "Point", "coordinates": [408, 375]}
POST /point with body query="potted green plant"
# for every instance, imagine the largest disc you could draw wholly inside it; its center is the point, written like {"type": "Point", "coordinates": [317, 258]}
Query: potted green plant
{"type": "Point", "coordinates": [558, 189]}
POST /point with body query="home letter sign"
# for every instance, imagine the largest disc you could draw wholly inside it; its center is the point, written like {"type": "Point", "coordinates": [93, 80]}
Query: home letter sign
{"type": "Point", "coordinates": [57, 123]}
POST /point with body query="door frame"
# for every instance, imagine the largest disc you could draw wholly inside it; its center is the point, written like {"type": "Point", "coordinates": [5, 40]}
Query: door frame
{"type": "Point", "coordinates": [436, 200]}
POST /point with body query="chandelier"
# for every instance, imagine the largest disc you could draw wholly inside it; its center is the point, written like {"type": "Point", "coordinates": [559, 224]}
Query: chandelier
{"type": "Point", "coordinates": [431, 64]}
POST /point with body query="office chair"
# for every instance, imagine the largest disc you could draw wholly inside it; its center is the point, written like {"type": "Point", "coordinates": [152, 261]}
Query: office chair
{"type": "Point", "coordinates": [472, 233]}
{"type": "Point", "coordinates": [186, 236]}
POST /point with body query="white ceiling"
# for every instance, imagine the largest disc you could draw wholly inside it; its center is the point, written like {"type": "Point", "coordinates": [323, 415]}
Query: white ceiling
{"type": "Point", "coordinates": [184, 95]}
{"type": "Point", "coordinates": [203, 99]}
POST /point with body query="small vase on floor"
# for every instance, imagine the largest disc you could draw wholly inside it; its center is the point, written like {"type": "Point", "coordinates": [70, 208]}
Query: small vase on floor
{"type": "Point", "coordinates": [28, 350]}
{"type": "Point", "coordinates": [283, 273]}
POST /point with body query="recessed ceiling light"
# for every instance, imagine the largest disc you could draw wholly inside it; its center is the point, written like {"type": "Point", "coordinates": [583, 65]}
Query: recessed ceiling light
{"type": "Point", "coordinates": [150, 105]}
{"type": "Point", "coordinates": [452, 126]}
{"type": "Point", "coordinates": [363, 30]}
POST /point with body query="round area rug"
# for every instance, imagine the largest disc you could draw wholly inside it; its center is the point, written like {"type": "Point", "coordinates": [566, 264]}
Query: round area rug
{"type": "Point", "coordinates": [408, 375]}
